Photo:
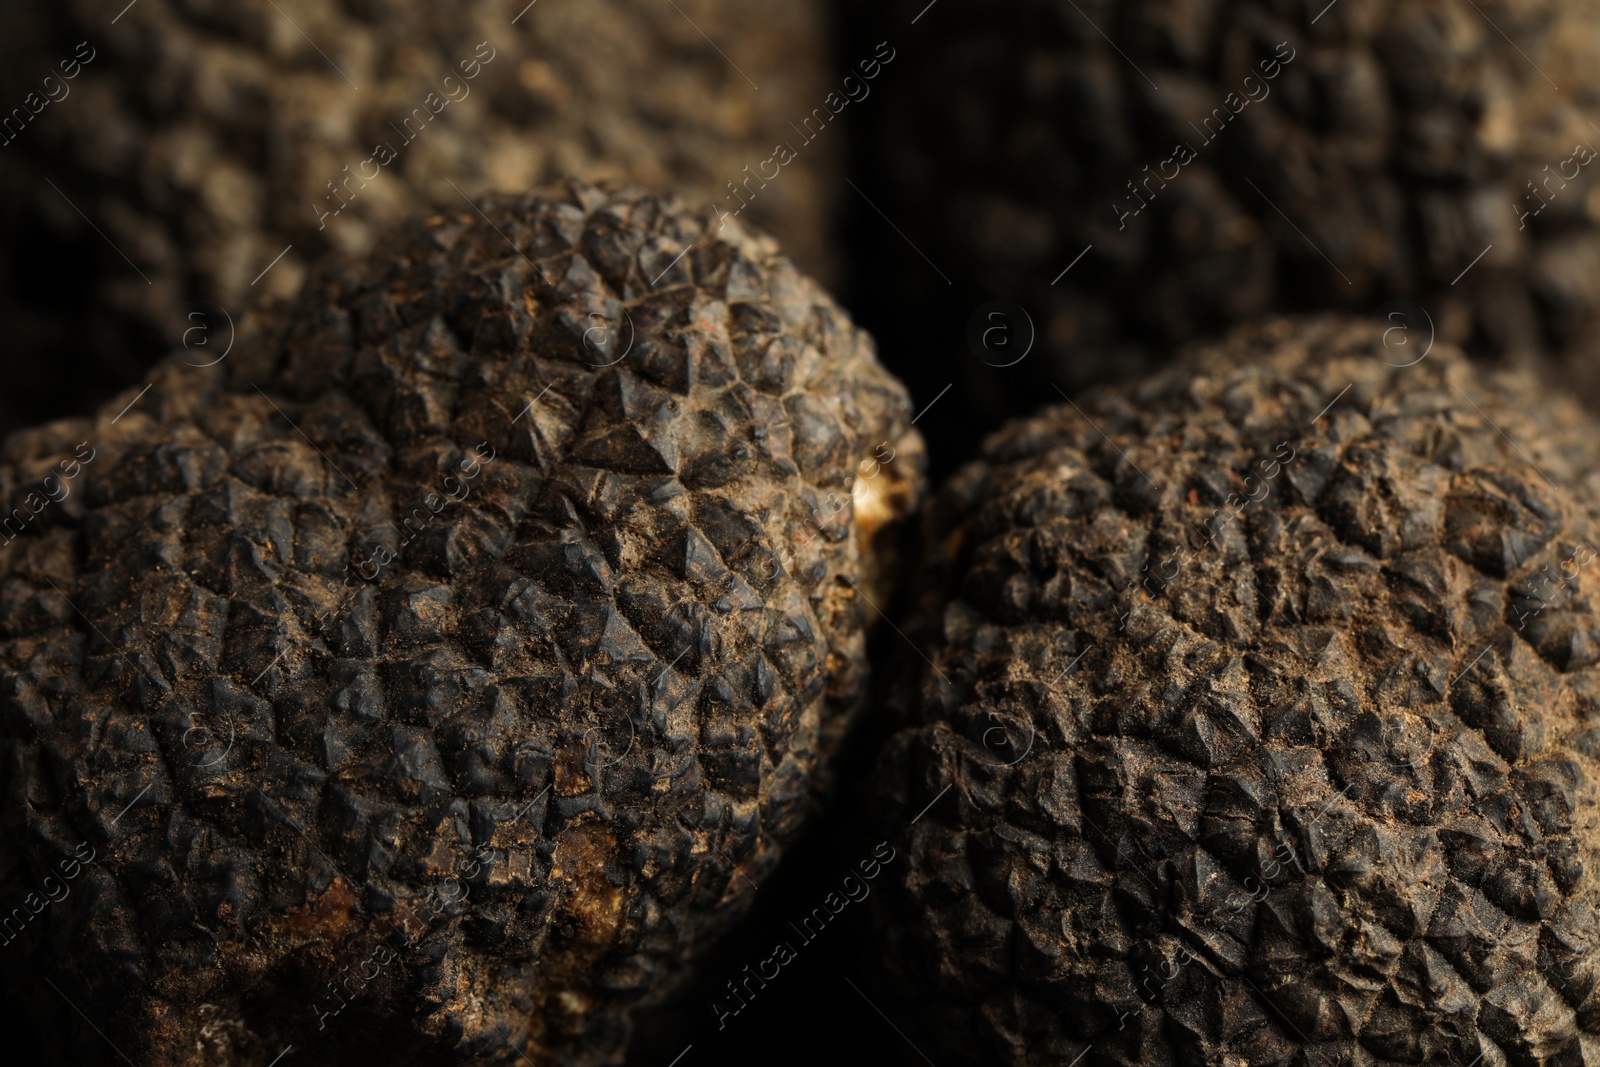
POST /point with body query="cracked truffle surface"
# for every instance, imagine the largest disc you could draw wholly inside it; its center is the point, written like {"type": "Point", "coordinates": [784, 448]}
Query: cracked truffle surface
{"type": "Point", "coordinates": [1261, 727]}
{"type": "Point", "coordinates": [434, 678]}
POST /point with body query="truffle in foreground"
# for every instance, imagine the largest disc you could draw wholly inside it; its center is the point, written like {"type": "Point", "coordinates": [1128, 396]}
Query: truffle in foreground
{"type": "Point", "coordinates": [436, 688]}
{"type": "Point", "coordinates": [1261, 727]}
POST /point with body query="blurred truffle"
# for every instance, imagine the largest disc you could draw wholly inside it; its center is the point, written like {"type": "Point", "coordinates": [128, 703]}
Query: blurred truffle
{"type": "Point", "coordinates": [1211, 162]}
{"type": "Point", "coordinates": [204, 138]}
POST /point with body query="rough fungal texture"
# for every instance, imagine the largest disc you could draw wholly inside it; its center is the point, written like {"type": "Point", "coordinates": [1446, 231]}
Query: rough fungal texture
{"type": "Point", "coordinates": [1317, 787]}
{"type": "Point", "coordinates": [1395, 142]}
{"type": "Point", "coordinates": [437, 687]}
{"type": "Point", "coordinates": [205, 136]}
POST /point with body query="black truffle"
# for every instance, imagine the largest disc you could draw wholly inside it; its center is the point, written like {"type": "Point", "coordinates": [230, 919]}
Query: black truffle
{"type": "Point", "coordinates": [1261, 723]}
{"type": "Point", "coordinates": [206, 137]}
{"type": "Point", "coordinates": [439, 685]}
{"type": "Point", "coordinates": [1214, 162]}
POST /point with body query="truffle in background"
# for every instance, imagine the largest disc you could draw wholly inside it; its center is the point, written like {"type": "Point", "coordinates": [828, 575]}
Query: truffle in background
{"type": "Point", "coordinates": [1213, 162]}
{"type": "Point", "coordinates": [204, 139]}
{"type": "Point", "coordinates": [436, 680]}
{"type": "Point", "coordinates": [1261, 727]}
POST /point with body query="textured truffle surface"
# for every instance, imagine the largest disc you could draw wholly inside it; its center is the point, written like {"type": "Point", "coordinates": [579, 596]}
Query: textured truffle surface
{"type": "Point", "coordinates": [1261, 722]}
{"type": "Point", "coordinates": [436, 686]}
{"type": "Point", "coordinates": [1392, 145]}
{"type": "Point", "coordinates": [206, 136]}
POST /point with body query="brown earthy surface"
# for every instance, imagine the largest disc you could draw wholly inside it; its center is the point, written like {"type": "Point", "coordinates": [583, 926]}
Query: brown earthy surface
{"type": "Point", "coordinates": [481, 695]}
{"type": "Point", "coordinates": [203, 135]}
{"type": "Point", "coordinates": [1394, 146]}
{"type": "Point", "coordinates": [1303, 780]}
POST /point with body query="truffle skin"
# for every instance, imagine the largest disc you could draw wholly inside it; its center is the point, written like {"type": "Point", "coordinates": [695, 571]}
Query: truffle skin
{"type": "Point", "coordinates": [436, 687]}
{"type": "Point", "coordinates": [1394, 142]}
{"type": "Point", "coordinates": [1307, 777]}
{"type": "Point", "coordinates": [204, 137]}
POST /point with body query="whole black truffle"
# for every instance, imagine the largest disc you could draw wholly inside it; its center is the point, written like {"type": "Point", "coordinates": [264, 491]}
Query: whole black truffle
{"type": "Point", "coordinates": [438, 687]}
{"type": "Point", "coordinates": [1211, 162]}
{"type": "Point", "coordinates": [1261, 723]}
